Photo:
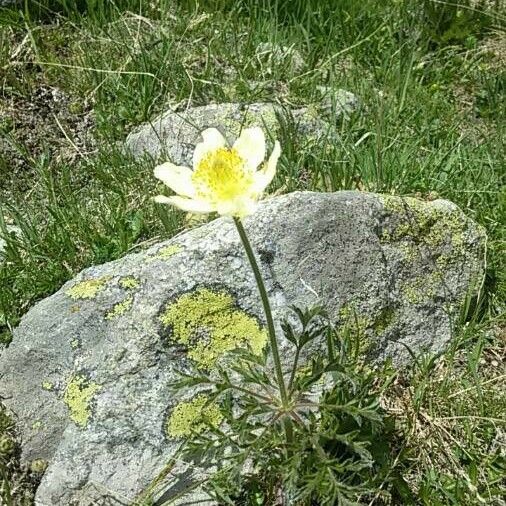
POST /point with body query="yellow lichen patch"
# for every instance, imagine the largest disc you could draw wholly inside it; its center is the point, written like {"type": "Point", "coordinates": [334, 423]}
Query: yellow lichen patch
{"type": "Point", "coordinates": [193, 417]}
{"type": "Point", "coordinates": [47, 385]}
{"type": "Point", "coordinates": [88, 289]}
{"type": "Point", "coordinates": [209, 324]}
{"type": "Point", "coordinates": [78, 396]}
{"type": "Point", "coordinates": [75, 308]}
{"type": "Point", "coordinates": [424, 222]}
{"type": "Point", "coordinates": [119, 308]}
{"type": "Point", "coordinates": [128, 283]}
{"type": "Point", "coordinates": [37, 426]}
{"type": "Point", "coordinates": [74, 344]}
{"type": "Point", "coordinates": [166, 252]}
{"type": "Point", "coordinates": [422, 289]}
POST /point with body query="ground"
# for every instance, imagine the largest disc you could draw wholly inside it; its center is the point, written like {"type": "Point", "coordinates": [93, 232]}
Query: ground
{"type": "Point", "coordinates": [75, 80]}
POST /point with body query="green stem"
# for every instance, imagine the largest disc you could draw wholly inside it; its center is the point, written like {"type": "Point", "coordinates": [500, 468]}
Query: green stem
{"type": "Point", "coordinates": [267, 310]}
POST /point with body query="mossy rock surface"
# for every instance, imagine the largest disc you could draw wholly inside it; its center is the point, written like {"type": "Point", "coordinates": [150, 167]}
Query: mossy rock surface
{"type": "Point", "coordinates": [108, 343]}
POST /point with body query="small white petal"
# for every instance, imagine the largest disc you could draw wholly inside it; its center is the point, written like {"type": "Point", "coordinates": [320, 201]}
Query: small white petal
{"type": "Point", "coordinates": [250, 146]}
{"type": "Point", "coordinates": [176, 177]}
{"type": "Point", "coordinates": [264, 176]}
{"type": "Point", "coordinates": [213, 140]}
{"type": "Point", "coordinates": [249, 207]}
{"type": "Point", "coordinates": [189, 205]}
{"type": "Point", "coordinates": [161, 199]}
{"type": "Point", "coordinates": [240, 207]}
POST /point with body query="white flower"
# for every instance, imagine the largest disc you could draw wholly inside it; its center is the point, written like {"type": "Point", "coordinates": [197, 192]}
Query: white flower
{"type": "Point", "coordinates": [223, 180]}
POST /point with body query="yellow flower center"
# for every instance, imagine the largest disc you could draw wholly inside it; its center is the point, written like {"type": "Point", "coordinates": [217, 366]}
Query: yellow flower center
{"type": "Point", "coordinates": [221, 176]}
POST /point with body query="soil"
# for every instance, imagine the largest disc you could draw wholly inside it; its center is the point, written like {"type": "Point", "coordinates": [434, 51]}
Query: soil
{"type": "Point", "coordinates": [46, 122]}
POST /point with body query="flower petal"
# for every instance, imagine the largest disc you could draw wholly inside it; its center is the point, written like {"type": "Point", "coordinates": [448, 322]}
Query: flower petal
{"type": "Point", "coordinates": [250, 146]}
{"type": "Point", "coordinates": [239, 207]}
{"type": "Point", "coordinates": [176, 177]}
{"type": "Point", "coordinates": [189, 205]}
{"type": "Point", "coordinates": [213, 140]}
{"type": "Point", "coordinates": [264, 176]}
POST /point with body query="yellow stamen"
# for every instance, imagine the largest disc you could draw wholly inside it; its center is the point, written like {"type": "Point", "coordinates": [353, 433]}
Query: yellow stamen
{"type": "Point", "coordinates": [222, 176]}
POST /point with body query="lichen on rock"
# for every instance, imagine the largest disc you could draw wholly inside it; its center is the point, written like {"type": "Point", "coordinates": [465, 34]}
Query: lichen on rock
{"type": "Point", "coordinates": [47, 385]}
{"type": "Point", "coordinates": [129, 283]}
{"type": "Point", "coordinates": [194, 416]}
{"type": "Point", "coordinates": [325, 247]}
{"type": "Point", "coordinates": [435, 235]}
{"type": "Point", "coordinates": [88, 289]}
{"type": "Point", "coordinates": [166, 252]}
{"type": "Point", "coordinates": [209, 324]}
{"type": "Point", "coordinates": [422, 222]}
{"type": "Point", "coordinates": [78, 397]}
{"type": "Point", "coordinates": [423, 288]}
{"type": "Point", "coordinates": [120, 308]}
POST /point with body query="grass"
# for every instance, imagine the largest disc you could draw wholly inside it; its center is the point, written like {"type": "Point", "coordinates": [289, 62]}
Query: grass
{"type": "Point", "coordinates": [430, 75]}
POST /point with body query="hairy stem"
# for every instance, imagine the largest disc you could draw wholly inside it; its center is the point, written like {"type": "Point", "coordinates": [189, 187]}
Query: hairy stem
{"type": "Point", "coordinates": [267, 310]}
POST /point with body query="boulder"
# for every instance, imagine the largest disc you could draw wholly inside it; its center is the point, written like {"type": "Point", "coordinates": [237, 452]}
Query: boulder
{"type": "Point", "coordinates": [88, 370]}
{"type": "Point", "coordinates": [173, 135]}
{"type": "Point", "coordinates": [337, 103]}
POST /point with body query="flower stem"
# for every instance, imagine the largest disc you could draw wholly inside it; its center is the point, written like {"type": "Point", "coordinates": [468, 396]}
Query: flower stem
{"type": "Point", "coordinates": [267, 310]}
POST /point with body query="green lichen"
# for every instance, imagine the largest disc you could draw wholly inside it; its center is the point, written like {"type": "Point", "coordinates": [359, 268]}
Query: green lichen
{"type": "Point", "coordinates": [166, 252]}
{"type": "Point", "coordinates": [209, 325]}
{"type": "Point", "coordinates": [37, 426]}
{"type": "Point", "coordinates": [120, 308]}
{"type": "Point", "coordinates": [193, 417]}
{"type": "Point", "coordinates": [88, 289]}
{"type": "Point", "coordinates": [74, 344]}
{"type": "Point", "coordinates": [426, 232]}
{"type": "Point", "coordinates": [424, 222]}
{"type": "Point", "coordinates": [129, 283]}
{"type": "Point", "coordinates": [422, 289]}
{"type": "Point", "coordinates": [47, 385]}
{"type": "Point", "coordinates": [267, 121]}
{"type": "Point", "coordinates": [383, 321]}
{"type": "Point", "coordinates": [410, 252]}
{"type": "Point", "coordinates": [78, 397]}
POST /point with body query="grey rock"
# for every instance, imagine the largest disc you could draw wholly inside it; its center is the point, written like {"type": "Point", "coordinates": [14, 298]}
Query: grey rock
{"type": "Point", "coordinates": [88, 370]}
{"type": "Point", "coordinates": [337, 103]}
{"type": "Point", "coordinates": [174, 134]}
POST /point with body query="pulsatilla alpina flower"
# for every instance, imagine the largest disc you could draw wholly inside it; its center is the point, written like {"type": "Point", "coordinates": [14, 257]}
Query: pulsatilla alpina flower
{"type": "Point", "coordinates": [223, 180]}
